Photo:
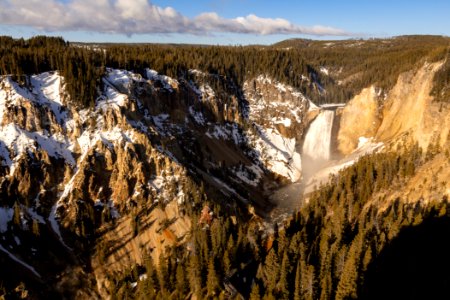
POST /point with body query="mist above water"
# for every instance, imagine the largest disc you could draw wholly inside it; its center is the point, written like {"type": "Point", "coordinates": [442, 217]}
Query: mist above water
{"type": "Point", "coordinates": [315, 156]}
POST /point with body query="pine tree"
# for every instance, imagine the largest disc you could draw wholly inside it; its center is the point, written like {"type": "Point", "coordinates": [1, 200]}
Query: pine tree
{"type": "Point", "coordinates": [298, 282]}
{"type": "Point", "coordinates": [272, 270]}
{"type": "Point", "coordinates": [181, 281]}
{"type": "Point", "coordinates": [255, 293]}
{"type": "Point", "coordinates": [35, 228]}
{"type": "Point", "coordinates": [367, 259]}
{"type": "Point", "coordinates": [16, 214]}
{"type": "Point", "coordinates": [308, 283]}
{"type": "Point", "coordinates": [347, 286]}
{"type": "Point", "coordinates": [212, 282]}
{"type": "Point", "coordinates": [151, 282]}
{"type": "Point", "coordinates": [195, 275]}
{"type": "Point", "coordinates": [283, 283]}
{"type": "Point", "coordinates": [325, 286]}
{"type": "Point", "coordinates": [227, 263]}
{"type": "Point", "coordinates": [163, 274]}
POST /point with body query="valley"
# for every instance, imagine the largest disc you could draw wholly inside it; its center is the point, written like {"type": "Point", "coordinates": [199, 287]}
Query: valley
{"type": "Point", "coordinates": [154, 171]}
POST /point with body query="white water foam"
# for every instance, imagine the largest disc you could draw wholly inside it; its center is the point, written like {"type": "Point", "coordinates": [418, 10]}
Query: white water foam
{"type": "Point", "coordinates": [318, 138]}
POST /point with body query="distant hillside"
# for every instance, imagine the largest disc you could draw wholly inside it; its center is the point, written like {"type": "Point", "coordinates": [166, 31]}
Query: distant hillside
{"type": "Point", "coordinates": [325, 71]}
{"type": "Point", "coordinates": [355, 64]}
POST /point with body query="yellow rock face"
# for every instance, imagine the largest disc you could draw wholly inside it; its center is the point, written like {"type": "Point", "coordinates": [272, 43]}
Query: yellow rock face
{"type": "Point", "coordinates": [360, 117]}
{"type": "Point", "coordinates": [409, 108]}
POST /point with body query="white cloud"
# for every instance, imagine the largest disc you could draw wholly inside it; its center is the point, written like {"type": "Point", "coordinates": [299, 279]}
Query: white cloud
{"type": "Point", "coordinates": [138, 17]}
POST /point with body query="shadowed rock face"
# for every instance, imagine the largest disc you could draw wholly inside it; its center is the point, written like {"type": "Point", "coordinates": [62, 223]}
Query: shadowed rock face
{"type": "Point", "coordinates": [413, 266]}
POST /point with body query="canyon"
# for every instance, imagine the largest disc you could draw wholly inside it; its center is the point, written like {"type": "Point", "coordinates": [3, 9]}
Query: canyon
{"type": "Point", "coordinates": [88, 192]}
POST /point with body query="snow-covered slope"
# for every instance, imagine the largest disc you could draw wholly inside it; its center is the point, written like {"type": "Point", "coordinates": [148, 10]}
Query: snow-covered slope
{"type": "Point", "coordinates": [277, 112]}
{"type": "Point", "coordinates": [68, 171]}
{"type": "Point", "coordinates": [34, 118]}
{"type": "Point", "coordinates": [56, 159]}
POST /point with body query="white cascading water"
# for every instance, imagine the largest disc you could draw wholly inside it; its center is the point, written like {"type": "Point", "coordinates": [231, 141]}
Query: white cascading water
{"type": "Point", "coordinates": [318, 138]}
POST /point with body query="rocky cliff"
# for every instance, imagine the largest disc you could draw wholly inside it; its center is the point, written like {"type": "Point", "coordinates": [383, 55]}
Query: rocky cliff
{"type": "Point", "coordinates": [407, 109]}
{"type": "Point", "coordinates": [399, 118]}
{"type": "Point", "coordinates": [106, 186]}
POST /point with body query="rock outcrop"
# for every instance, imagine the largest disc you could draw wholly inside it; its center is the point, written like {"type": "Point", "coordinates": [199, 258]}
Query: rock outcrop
{"type": "Point", "coordinates": [278, 113]}
{"type": "Point", "coordinates": [120, 173]}
{"type": "Point", "coordinates": [359, 118]}
{"type": "Point", "coordinates": [409, 108]}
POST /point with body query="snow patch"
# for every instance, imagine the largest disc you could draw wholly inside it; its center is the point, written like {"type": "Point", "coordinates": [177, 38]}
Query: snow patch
{"type": "Point", "coordinates": [312, 106]}
{"type": "Point", "coordinates": [4, 153]}
{"type": "Point", "coordinates": [333, 105]}
{"type": "Point", "coordinates": [226, 132]}
{"type": "Point", "coordinates": [120, 78]}
{"type": "Point", "coordinates": [181, 196]}
{"type": "Point", "coordinates": [196, 72]}
{"type": "Point", "coordinates": [6, 215]}
{"type": "Point", "coordinates": [219, 133]}
{"type": "Point", "coordinates": [113, 210]}
{"type": "Point", "coordinates": [251, 175]}
{"type": "Point", "coordinates": [167, 82]}
{"type": "Point", "coordinates": [286, 122]}
{"type": "Point", "coordinates": [324, 70]}
{"type": "Point", "coordinates": [109, 137]}
{"type": "Point", "coordinates": [281, 87]}
{"type": "Point", "coordinates": [362, 141]}
{"type": "Point", "coordinates": [278, 153]}
{"type": "Point", "coordinates": [113, 97]}
{"type": "Point", "coordinates": [13, 257]}
{"type": "Point", "coordinates": [207, 92]}
{"type": "Point", "coordinates": [18, 141]}
{"type": "Point", "coordinates": [198, 116]}
{"type": "Point", "coordinates": [157, 183]}
{"type": "Point", "coordinates": [55, 226]}
{"type": "Point", "coordinates": [35, 216]}
{"type": "Point", "coordinates": [3, 100]}
{"type": "Point", "coordinates": [159, 121]}
{"type": "Point", "coordinates": [47, 89]}
{"type": "Point", "coordinates": [284, 107]}
{"type": "Point", "coordinates": [227, 189]}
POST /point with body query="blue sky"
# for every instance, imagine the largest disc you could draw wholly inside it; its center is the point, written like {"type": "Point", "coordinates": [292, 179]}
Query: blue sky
{"type": "Point", "coordinates": [221, 21]}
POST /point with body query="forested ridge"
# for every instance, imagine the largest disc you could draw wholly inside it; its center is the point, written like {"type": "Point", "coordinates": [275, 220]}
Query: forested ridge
{"type": "Point", "coordinates": [335, 247]}
{"type": "Point", "coordinates": [351, 65]}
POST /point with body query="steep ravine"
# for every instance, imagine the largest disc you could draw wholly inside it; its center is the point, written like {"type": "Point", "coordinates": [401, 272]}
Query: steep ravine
{"type": "Point", "coordinates": [107, 186]}
{"type": "Point", "coordinates": [374, 121]}
{"type": "Point", "coordinates": [89, 193]}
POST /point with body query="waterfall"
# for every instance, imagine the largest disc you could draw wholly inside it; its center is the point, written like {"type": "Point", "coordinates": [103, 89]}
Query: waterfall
{"type": "Point", "coordinates": [318, 138]}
